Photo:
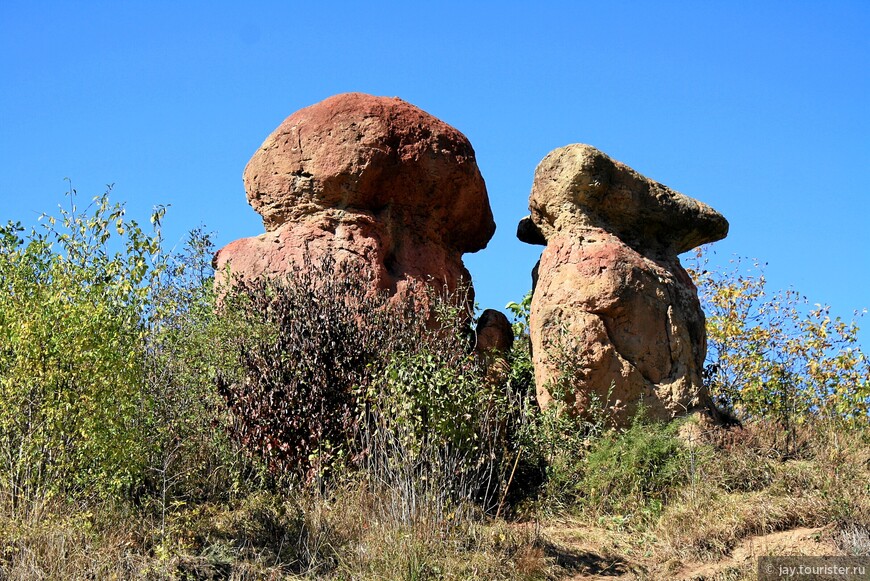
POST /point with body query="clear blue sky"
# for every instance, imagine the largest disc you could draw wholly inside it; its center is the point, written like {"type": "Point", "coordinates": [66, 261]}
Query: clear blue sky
{"type": "Point", "coordinates": [760, 109]}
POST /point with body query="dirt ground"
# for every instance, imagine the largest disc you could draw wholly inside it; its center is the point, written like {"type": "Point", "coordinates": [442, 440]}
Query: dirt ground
{"type": "Point", "coordinates": [591, 553]}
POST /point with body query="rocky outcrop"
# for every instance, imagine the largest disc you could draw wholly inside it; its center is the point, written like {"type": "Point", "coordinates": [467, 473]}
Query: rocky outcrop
{"type": "Point", "coordinates": [615, 319]}
{"type": "Point", "coordinates": [376, 184]}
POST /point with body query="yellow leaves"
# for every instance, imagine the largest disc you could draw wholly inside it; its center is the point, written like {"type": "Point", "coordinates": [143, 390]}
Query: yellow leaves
{"type": "Point", "coordinates": [770, 355]}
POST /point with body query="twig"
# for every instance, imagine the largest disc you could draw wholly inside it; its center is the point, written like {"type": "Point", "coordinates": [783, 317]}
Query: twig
{"type": "Point", "coordinates": [511, 479]}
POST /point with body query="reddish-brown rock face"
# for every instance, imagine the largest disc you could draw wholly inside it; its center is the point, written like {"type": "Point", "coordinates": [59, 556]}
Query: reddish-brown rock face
{"type": "Point", "coordinates": [615, 318]}
{"type": "Point", "coordinates": [373, 182]}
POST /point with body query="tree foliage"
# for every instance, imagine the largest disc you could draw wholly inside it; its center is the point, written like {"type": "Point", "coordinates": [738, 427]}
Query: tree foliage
{"type": "Point", "coordinates": [72, 358]}
{"type": "Point", "coordinates": [770, 354]}
{"type": "Point", "coordinates": [109, 347]}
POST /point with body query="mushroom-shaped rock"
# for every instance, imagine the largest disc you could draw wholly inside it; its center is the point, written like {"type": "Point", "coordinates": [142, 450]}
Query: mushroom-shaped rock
{"type": "Point", "coordinates": [615, 319]}
{"type": "Point", "coordinates": [373, 182]}
{"type": "Point", "coordinates": [578, 186]}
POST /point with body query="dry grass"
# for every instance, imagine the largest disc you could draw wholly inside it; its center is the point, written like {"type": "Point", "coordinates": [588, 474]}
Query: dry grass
{"type": "Point", "coordinates": [853, 540]}
{"type": "Point", "coordinates": [746, 488]}
{"type": "Point", "coordinates": [741, 489]}
{"type": "Point", "coordinates": [266, 536]}
{"type": "Point", "coordinates": [49, 540]}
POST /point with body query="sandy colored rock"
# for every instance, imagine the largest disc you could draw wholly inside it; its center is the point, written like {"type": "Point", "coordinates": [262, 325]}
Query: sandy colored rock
{"type": "Point", "coordinates": [373, 182]}
{"type": "Point", "coordinates": [615, 319]}
{"type": "Point", "coordinates": [578, 187]}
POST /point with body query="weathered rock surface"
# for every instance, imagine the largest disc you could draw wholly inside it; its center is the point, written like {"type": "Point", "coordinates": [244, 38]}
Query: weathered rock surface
{"type": "Point", "coordinates": [494, 333]}
{"type": "Point", "coordinates": [494, 340]}
{"type": "Point", "coordinates": [373, 182]}
{"type": "Point", "coordinates": [615, 319]}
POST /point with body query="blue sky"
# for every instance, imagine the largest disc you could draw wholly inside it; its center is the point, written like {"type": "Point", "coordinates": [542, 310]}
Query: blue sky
{"type": "Point", "coordinates": [761, 109]}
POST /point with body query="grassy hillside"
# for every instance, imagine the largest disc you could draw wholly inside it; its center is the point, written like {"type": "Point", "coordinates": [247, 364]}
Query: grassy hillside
{"type": "Point", "coordinates": [152, 426]}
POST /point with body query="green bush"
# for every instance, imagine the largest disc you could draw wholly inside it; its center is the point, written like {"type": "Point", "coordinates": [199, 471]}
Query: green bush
{"type": "Point", "coordinates": [72, 357]}
{"type": "Point", "coordinates": [190, 453]}
{"type": "Point", "coordinates": [435, 430]}
{"type": "Point", "coordinates": [427, 396]}
{"type": "Point", "coordinates": [772, 356]}
{"type": "Point", "coordinates": [635, 472]}
{"type": "Point", "coordinates": [108, 352]}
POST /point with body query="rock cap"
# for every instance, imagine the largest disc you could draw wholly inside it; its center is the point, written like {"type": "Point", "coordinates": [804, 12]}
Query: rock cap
{"type": "Point", "coordinates": [375, 155]}
{"type": "Point", "coordinates": [578, 186]}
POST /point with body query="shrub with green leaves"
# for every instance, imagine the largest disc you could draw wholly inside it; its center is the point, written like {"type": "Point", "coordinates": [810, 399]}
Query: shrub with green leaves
{"type": "Point", "coordinates": [435, 430]}
{"type": "Point", "coordinates": [771, 355]}
{"type": "Point", "coordinates": [635, 472]}
{"type": "Point", "coordinates": [72, 371]}
{"type": "Point", "coordinates": [427, 396]}
{"type": "Point", "coordinates": [190, 452]}
{"type": "Point", "coordinates": [109, 349]}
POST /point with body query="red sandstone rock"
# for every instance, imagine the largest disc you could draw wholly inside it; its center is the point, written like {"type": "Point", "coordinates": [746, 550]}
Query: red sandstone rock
{"type": "Point", "coordinates": [374, 182]}
{"type": "Point", "coordinates": [614, 316]}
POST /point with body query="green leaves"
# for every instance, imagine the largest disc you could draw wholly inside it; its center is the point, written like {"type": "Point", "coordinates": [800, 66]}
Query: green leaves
{"type": "Point", "coordinates": [93, 381]}
{"type": "Point", "coordinates": [521, 312]}
{"type": "Point", "coordinates": [635, 472]}
{"type": "Point", "coordinates": [434, 395]}
{"type": "Point", "coordinates": [71, 365]}
{"type": "Point", "coordinates": [771, 356]}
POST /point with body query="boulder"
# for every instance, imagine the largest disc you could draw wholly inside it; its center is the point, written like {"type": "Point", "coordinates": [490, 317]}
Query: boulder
{"type": "Point", "coordinates": [615, 320]}
{"type": "Point", "coordinates": [494, 341]}
{"type": "Point", "coordinates": [374, 183]}
{"type": "Point", "coordinates": [494, 333]}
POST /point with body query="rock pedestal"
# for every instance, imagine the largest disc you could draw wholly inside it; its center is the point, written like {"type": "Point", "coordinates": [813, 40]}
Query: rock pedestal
{"type": "Point", "coordinates": [615, 319]}
{"type": "Point", "coordinates": [376, 184]}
